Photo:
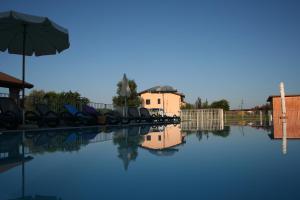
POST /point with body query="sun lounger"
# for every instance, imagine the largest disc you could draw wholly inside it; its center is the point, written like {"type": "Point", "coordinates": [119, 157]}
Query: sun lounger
{"type": "Point", "coordinates": [145, 116]}
{"type": "Point", "coordinates": [115, 117]}
{"type": "Point", "coordinates": [111, 117]}
{"type": "Point", "coordinates": [11, 113]}
{"type": "Point", "coordinates": [72, 116]}
{"type": "Point", "coordinates": [134, 115]}
{"type": "Point", "coordinates": [46, 116]}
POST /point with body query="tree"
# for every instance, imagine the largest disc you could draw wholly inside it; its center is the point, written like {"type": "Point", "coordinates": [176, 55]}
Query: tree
{"type": "Point", "coordinates": [223, 104]}
{"type": "Point", "coordinates": [205, 105]}
{"type": "Point", "coordinates": [187, 106]}
{"type": "Point", "coordinates": [34, 97]}
{"type": "Point", "coordinates": [54, 100]}
{"type": "Point", "coordinates": [133, 100]}
{"type": "Point", "coordinates": [265, 107]}
{"type": "Point", "coordinates": [198, 103]}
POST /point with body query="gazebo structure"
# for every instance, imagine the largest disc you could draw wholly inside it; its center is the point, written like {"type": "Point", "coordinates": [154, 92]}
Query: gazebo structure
{"type": "Point", "coordinates": [14, 85]}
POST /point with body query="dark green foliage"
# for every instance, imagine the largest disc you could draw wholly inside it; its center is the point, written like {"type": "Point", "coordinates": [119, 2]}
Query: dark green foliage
{"type": "Point", "coordinates": [132, 101]}
{"type": "Point", "coordinates": [188, 106]}
{"type": "Point", "coordinates": [54, 100]}
{"type": "Point", "coordinates": [205, 105]}
{"type": "Point", "coordinates": [264, 107]}
{"type": "Point", "coordinates": [223, 104]}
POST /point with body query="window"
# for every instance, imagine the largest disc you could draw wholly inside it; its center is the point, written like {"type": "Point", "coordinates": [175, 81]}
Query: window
{"type": "Point", "coordinates": [159, 138]}
{"type": "Point", "coordinates": [158, 101]}
{"type": "Point", "coordinates": [148, 137]}
{"type": "Point", "coordinates": [147, 101]}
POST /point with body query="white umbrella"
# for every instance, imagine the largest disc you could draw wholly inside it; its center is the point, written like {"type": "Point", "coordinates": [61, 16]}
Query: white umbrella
{"type": "Point", "coordinates": [125, 92]}
{"type": "Point", "coordinates": [26, 35]}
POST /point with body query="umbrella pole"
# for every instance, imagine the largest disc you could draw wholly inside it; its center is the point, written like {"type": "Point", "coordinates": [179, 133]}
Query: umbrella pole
{"type": "Point", "coordinates": [23, 165]}
{"type": "Point", "coordinates": [125, 106]}
{"type": "Point", "coordinates": [23, 75]}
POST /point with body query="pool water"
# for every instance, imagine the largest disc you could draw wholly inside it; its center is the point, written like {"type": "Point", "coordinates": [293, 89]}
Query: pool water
{"type": "Point", "coordinates": [237, 162]}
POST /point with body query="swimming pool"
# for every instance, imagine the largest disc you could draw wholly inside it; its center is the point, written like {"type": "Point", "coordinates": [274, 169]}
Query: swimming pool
{"type": "Point", "coordinates": [144, 162]}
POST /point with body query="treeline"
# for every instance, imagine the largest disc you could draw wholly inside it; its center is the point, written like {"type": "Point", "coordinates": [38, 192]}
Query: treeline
{"type": "Point", "coordinates": [55, 100]}
{"type": "Point", "coordinates": [222, 104]}
{"type": "Point", "coordinates": [265, 107]}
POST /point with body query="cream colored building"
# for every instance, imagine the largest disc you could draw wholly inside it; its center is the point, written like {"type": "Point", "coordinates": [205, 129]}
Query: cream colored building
{"type": "Point", "coordinates": [163, 97]}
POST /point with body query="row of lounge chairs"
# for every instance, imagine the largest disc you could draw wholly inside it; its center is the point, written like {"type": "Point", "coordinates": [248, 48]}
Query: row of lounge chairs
{"type": "Point", "coordinates": [11, 116]}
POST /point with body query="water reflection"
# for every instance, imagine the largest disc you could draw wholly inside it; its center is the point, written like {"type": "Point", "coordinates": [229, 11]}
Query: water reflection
{"type": "Point", "coordinates": [128, 141]}
{"type": "Point", "coordinates": [11, 156]}
{"type": "Point", "coordinates": [161, 141]}
{"type": "Point", "coordinates": [113, 163]}
{"type": "Point", "coordinates": [285, 129]}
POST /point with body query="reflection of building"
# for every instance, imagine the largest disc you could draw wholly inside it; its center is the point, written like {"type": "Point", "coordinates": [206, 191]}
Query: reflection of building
{"type": "Point", "coordinates": [292, 116]}
{"type": "Point", "coordinates": [10, 154]}
{"type": "Point", "coordinates": [163, 97]}
{"type": "Point", "coordinates": [171, 136]}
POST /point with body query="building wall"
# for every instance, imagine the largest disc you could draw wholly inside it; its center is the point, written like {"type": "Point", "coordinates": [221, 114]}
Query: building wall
{"type": "Point", "coordinates": [170, 102]}
{"type": "Point", "coordinates": [292, 114]}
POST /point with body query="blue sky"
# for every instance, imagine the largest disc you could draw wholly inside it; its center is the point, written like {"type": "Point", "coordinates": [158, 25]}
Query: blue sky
{"type": "Point", "coordinates": [212, 49]}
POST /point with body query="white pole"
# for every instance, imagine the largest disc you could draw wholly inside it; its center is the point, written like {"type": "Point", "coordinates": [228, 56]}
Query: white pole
{"type": "Point", "coordinates": [283, 110]}
{"type": "Point", "coordinates": [260, 118]}
{"type": "Point", "coordinates": [222, 118]}
{"type": "Point", "coordinates": [197, 119]}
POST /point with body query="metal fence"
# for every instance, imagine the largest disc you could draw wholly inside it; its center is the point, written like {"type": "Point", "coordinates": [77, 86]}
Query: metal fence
{"type": "Point", "coordinates": [101, 105]}
{"type": "Point", "coordinates": [57, 105]}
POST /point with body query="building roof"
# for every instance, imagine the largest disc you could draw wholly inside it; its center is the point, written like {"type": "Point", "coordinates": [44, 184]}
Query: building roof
{"type": "Point", "coordinates": [287, 95]}
{"type": "Point", "coordinates": [8, 81]}
{"type": "Point", "coordinates": [162, 89]}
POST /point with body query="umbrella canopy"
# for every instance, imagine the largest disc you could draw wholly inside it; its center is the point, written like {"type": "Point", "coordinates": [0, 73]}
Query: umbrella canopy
{"type": "Point", "coordinates": [28, 34]}
{"type": "Point", "coordinates": [125, 90]}
{"type": "Point", "coordinates": [40, 35]}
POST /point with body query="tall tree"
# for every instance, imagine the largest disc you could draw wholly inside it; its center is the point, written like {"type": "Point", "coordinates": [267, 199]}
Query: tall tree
{"type": "Point", "coordinates": [198, 103]}
{"type": "Point", "coordinates": [205, 105]}
{"type": "Point", "coordinates": [133, 100]}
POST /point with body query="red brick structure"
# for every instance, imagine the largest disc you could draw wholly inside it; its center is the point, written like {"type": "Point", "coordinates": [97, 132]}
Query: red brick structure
{"type": "Point", "coordinates": [292, 114]}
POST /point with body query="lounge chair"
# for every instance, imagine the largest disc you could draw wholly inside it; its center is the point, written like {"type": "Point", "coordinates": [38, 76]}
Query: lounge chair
{"type": "Point", "coordinates": [46, 116]}
{"type": "Point", "coordinates": [7, 120]}
{"type": "Point", "coordinates": [115, 117]}
{"type": "Point", "coordinates": [111, 117]}
{"type": "Point", "coordinates": [72, 116]}
{"type": "Point", "coordinates": [133, 114]}
{"type": "Point", "coordinates": [91, 111]}
{"type": "Point", "coordinates": [146, 116]}
{"type": "Point", "coordinates": [11, 113]}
